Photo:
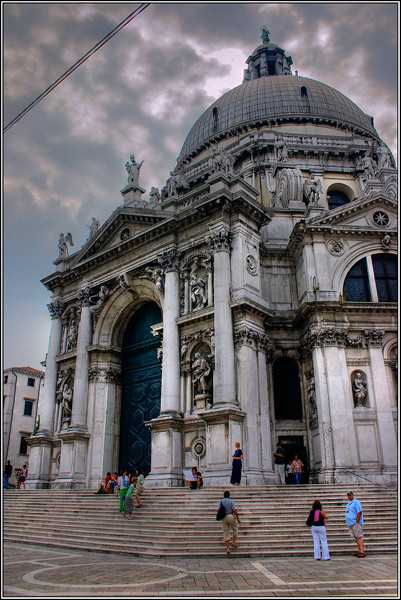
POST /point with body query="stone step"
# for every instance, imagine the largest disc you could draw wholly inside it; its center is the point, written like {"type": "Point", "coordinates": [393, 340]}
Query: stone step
{"type": "Point", "coordinates": [165, 525]}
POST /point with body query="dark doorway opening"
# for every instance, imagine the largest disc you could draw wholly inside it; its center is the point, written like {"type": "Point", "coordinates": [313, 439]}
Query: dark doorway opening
{"type": "Point", "coordinates": [141, 388]}
{"type": "Point", "coordinates": [294, 445]}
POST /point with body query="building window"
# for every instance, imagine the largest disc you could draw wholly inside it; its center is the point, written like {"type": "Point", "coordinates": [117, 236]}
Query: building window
{"type": "Point", "coordinates": [28, 408]}
{"type": "Point", "coordinates": [5, 379]}
{"type": "Point", "coordinates": [287, 389]}
{"type": "Point", "coordinates": [372, 279]}
{"type": "Point", "coordinates": [23, 447]}
{"type": "Point", "coordinates": [336, 198]}
{"type": "Point", "coordinates": [31, 382]}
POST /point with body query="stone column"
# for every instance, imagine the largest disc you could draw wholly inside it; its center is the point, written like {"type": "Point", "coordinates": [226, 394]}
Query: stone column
{"type": "Point", "coordinates": [170, 394]}
{"type": "Point", "coordinates": [47, 402]}
{"type": "Point", "coordinates": [385, 423]}
{"type": "Point", "coordinates": [224, 380]}
{"type": "Point", "coordinates": [81, 382]}
{"type": "Point", "coordinates": [41, 444]}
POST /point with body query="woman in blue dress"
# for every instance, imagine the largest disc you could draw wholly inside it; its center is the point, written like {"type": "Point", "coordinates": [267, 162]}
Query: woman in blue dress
{"type": "Point", "coordinates": [237, 465]}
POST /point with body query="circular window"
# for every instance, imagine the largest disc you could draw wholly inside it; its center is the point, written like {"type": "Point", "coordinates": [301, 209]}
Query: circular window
{"type": "Point", "coordinates": [125, 234]}
{"type": "Point", "coordinates": [381, 218]}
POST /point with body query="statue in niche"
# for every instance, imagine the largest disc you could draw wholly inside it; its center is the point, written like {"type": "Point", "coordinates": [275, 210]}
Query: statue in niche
{"type": "Point", "coordinates": [72, 334]}
{"type": "Point", "coordinates": [63, 242]}
{"type": "Point", "coordinates": [154, 195]}
{"type": "Point", "coordinates": [312, 395]}
{"type": "Point", "coordinates": [67, 403]}
{"type": "Point", "coordinates": [313, 189]}
{"type": "Point", "coordinates": [93, 227]}
{"type": "Point", "coordinates": [198, 287]}
{"type": "Point", "coordinates": [360, 391]}
{"type": "Point", "coordinates": [201, 369]}
{"type": "Point", "coordinates": [280, 149]}
{"type": "Point", "coordinates": [184, 347]}
{"type": "Point", "coordinates": [133, 169]}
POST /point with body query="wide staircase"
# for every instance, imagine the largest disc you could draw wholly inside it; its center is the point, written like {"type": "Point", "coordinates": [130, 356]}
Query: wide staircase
{"type": "Point", "coordinates": [178, 522]}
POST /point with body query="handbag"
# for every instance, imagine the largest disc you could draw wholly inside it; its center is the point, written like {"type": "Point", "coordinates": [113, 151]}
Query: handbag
{"type": "Point", "coordinates": [221, 513]}
{"type": "Point", "coordinates": [309, 520]}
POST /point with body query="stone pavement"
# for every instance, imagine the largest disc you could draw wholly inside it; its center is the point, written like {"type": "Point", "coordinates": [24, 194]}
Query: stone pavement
{"type": "Point", "coordinates": [39, 571]}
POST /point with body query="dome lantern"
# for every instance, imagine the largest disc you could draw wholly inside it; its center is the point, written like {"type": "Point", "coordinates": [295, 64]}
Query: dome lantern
{"type": "Point", "coordinates": [267, 60]}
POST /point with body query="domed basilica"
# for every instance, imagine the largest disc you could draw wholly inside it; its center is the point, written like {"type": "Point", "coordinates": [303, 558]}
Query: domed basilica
{"type": "Point", "coordinates": [251, 300]}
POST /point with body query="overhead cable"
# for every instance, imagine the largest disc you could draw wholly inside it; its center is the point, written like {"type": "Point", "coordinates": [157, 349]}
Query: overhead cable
{"type": "Point", "coordinates": [75, 66]}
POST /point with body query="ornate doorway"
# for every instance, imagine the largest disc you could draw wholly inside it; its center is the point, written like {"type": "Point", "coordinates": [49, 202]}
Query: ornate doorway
{"type": "Point", "coordinates": [141, 387]}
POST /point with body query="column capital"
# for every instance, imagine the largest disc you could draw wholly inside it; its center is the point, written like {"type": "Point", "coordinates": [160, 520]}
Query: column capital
{"type": "Point", "coordinates": [169, 260]}
{"type": "Point", "coordinates": [83, 297]}
{"type": "Point", "coordinates": [220, 240]}
{"type": "Point", "coordinates": [374, 337]}
{"type": "Point", "coordinates": [56, 308]}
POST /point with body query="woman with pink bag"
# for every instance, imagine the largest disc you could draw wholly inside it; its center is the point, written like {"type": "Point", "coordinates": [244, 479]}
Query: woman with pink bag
{"type": "Point", "coordinates": [316, 521]}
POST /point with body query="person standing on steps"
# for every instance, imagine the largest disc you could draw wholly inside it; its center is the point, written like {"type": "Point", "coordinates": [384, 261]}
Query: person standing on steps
{"type": "Point", "coordinates": [297, 469]}
{"type": "Point", "coordinates": [22, 477]}
{"type": "Point", "coordinates": [8, 471]}
{"type": "Point", "coordinates": [316, 521]}
{"type": "Point", "coordinates": [279, 463]}
{"type": "Point", "coordinates": [128, 499]}
{"type": "Point", "coordinates": [229, 522]}
{"type": "Point", "coordinates": [237, 465]}
{"type": "Point", "coordinates": [354, 520]}
{"type": "Point", "coordinates": [123, 483]}
{"type": "Point", "coordinates": [140, 480]}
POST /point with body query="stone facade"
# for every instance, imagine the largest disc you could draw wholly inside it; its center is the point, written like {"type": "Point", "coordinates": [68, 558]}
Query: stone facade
{"type": "Point", "coordinates": [248, 253]}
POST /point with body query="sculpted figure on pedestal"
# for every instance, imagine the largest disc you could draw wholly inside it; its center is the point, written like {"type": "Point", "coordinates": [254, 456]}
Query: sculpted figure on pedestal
{"type": "Point", "coordinates": [154, 195]}
{"type": "Point", "coordinates": [63, 242]}
{"type": "Point", "coordinates": [383, 157]}
{"type": "Point", "coordinates": [280, 149]}
{"type": "Point", "coordinates": [93, 227]}
{"type": "Point", "coordinates": [368, 165]}
{"type": "Point", "coordinates": [222, 161]}
{"type": "Point", "coordinates": [313, 189]}
{"type": "Point", "coordinates": [133, 169]}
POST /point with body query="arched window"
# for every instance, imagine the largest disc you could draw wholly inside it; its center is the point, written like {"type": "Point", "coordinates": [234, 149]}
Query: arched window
{"type": "Point", "coordinates": [372, 279]}
{"type": "Point", "coordinates": [287, 389]}
{"type": "Point", "coordinates": [335, 198]}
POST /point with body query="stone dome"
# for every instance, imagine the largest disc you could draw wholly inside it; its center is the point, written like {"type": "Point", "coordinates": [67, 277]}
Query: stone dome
{"type": "Point", "coordinates": [274, 100]}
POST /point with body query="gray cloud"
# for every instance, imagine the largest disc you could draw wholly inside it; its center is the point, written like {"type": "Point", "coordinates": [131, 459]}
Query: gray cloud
{"type": "Point", "coordinates": [142, 92]}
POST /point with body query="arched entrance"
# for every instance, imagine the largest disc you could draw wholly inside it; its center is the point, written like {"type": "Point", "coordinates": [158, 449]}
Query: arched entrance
{"type": "Point", "coordinates": [141, 387]}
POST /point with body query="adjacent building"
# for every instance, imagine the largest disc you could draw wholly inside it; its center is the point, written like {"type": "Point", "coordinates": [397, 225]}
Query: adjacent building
{"type": "Point", "coordinates": [21, 392]}
{"type": "Point", "coordinates": [253, 300]}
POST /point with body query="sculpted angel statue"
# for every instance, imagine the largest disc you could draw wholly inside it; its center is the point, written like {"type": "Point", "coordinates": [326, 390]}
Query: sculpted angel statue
{"type": "Point", "coordinates": [63, 242]}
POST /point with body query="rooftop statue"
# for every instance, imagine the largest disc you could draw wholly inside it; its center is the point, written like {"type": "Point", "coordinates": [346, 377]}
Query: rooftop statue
{"type": "Point", "coordinates": [63, 242]}
{"type": "Point", "coordinates": [265, 35]}
{"type": "Point", "coordinates": [93, 227]}
{"type": "Point", "coordinates": [133, 169]}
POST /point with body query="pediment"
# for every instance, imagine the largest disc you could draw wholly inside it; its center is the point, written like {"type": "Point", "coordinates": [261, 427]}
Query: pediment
{"type": "Point", "coordinates": [123, 225]}
{"type": "Point", "coordinates": [377, 211]}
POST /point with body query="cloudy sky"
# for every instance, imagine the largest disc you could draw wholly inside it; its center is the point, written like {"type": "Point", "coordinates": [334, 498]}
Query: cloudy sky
{"type": "Point", "coordinates": [63, 163]}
